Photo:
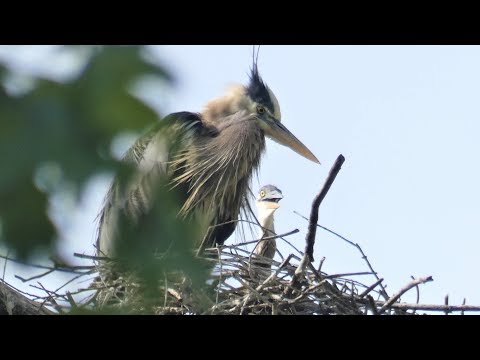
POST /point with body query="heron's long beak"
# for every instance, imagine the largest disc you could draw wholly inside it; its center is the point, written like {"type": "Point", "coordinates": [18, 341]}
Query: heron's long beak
{"type": "Point", "coordinates": [282, 135]}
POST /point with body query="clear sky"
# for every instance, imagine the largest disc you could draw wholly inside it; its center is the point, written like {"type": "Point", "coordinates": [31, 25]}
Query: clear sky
{"type": "Point", "coordinates": [407, 120]}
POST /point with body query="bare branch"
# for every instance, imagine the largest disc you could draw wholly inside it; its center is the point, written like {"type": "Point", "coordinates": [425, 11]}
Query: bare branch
{"type": "Point", "coordinates": [321, 264]}
{"type": "Point", "coordinates": [294, 231]}
{"type": "Point", "coordinates": [36, 276]}
{"type": "Point", "coordinates": [431, 307]}
{"type": "Point", "coordinates": [91, 257]}
{"type": "Point", "coordinates": [333, 276]}
{"type": "Point", "coordinates": [370, 288]}
{"type": "Point", "coordinates": [5, 264]}
{"type": "Point", "coordinates": [364, 257]}
{"type": "Point", "coordinates": [395, 297]}
{"type": "Point", "coordinates": [312, 228]}
{"type": "Point", "coordinates": [13, 303]}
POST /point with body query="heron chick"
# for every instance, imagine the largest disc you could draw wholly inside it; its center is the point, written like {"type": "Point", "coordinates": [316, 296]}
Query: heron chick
{"type": "Point", "coordinates": [210, 155]}
{"type": "Point", "coordinates": [267, 203]}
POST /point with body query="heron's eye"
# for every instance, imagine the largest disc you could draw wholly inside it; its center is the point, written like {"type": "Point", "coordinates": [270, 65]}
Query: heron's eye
{"type": "Point", "coordinates": [260, 109]}
{"type": "Point", "coordinates": [262, 193]}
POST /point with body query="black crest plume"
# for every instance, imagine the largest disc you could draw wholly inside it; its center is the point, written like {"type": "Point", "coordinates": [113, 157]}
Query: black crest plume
{"type": "Point", "coordinates": [257, 90]}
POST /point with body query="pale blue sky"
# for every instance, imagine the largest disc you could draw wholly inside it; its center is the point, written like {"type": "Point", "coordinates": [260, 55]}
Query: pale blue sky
{"type": "Point", "coordinates": [407, 120]}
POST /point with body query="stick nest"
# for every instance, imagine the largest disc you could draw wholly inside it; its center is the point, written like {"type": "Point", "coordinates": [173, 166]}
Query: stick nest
{"type": "Point", "coordinates": [239, 284]}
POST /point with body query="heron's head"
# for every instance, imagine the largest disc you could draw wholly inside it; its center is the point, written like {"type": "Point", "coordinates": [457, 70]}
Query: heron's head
{"type": "Point", "coordinates": [258, 101]}
{"type": "Point", "coordinates": [263, 103]}
{"type": "Point", "coordinates": [267, 202]}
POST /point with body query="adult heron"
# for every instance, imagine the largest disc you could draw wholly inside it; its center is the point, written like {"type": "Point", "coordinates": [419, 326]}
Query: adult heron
{"type": "Point", "coordinates": [212, 155]}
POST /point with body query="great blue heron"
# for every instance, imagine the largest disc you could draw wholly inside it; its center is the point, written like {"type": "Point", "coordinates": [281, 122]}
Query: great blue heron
{"type": "Point", "coordinates": [212, 155]}
{"type": "Point", "coordinates": [267, 203]}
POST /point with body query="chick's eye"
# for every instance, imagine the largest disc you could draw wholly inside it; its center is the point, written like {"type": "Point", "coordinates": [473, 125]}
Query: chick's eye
{"type": "Point", "coordinates": [262, 193]}
{"type": "Point", "coordinates": [260, 109]}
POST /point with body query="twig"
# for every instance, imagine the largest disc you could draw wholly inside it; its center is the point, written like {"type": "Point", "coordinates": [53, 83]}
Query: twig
{"type": "Point", "coordinates": [371, 304]}
{"type": "Point", "coordinates": [370, 288]}
{"type": "Point", "coordinates": [463, 303]}
{"type": "Point", "coordinates": [70, 269]}
{"type": "Point", "coordinates": [5, 264]}
{"type": "Point", "coordinates": [249, 295]}
{"type": "Point", "coordinates": [70, 299]}
{"type": "Point", "coordinates": [305, 292]}
{"type": "Point", "coordinates": [274, 275]}
{"type": "Point", "coordinates": [203, 244]}
{"type": "Point", "coordinates": [71, 280]}
{"type": "Point", "coordinates": [26, 294]}
{"type": "Point", "coordinates": [220, 279]}
{"type": "Point", "coordinates": [383, 291]}
{"type": "Point", "coordinates": [395, 297]}
{"type": "Point", "coordinates": [312, 225]}
{"type": "Point", "coordinates": [431, 307]}
{"type": "Point", "coordinates": [166, 289]}
{"type": "Point", "coordinates": [35, 277]}
{"type": "Point", "coordinates": [446, 304]}
{"type": "Point", "coordinates": [292, 246]}
{"type": "Point", "coordinates": [260, 240]}
{"type": "Point", "coordinates": [347, 274]}
{"type": "Point", "coordinates": [91, 257]}
{"type": "Point", "coordinates": [312, 228]}
{"type": "Point", "coordinates": [321, 264]}
{"type": "Point", "coordinates": [53, 303]}
{"type": "Point", "coordinates": [317, 274]}
{"type": "Point", "coordinates": [418, 293]}
{"type": "Point", "coordinates": [49, 298]}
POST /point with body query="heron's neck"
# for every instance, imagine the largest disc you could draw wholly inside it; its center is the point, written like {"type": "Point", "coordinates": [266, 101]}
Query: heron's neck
{"type": "Point", "coordinates": [242, 142]}
{"type": "Point", "coordinates": [266, 221]}
{"type": "Point", "coordinates": [218, 109]}
{"type": "Point", "coordinates": [219, 168]}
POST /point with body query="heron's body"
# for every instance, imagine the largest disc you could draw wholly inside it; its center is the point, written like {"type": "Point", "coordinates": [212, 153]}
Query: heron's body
{"type": "Point", "coordinates": [267, 204]}
{"type": "Point", "coordinates": [211, 156]}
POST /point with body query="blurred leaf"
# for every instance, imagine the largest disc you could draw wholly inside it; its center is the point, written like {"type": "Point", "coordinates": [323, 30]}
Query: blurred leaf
{"type": "Point", "coordinates": [25, 223]}
{"type": "Point", "coordinates": [162, 242]}
{"type": "Point", "coordinates": [68, 124]}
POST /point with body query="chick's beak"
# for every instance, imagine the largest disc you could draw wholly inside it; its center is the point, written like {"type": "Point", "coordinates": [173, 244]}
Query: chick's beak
{"type": "Point", "coordinates": [271, 199]}
{"type": "Point", "coordinates": [271, 205]}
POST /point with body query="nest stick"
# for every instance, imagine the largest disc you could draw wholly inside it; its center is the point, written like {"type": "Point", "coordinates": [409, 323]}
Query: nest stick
{"type": "Point", "coordinates": [395, 297]}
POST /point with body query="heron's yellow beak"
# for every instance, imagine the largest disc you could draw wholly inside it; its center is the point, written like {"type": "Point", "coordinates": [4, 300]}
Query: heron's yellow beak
{"type": "Point", "coordinates": [279, 133]}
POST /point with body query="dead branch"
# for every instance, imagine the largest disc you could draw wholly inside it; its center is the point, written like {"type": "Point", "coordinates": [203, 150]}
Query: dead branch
{"type": "Point", "coordinates": [431, 307]}
{"type": "Point", "coordinates": [35, 276]}
{"type": "Point", "coordinates": [312, 226]}
{"type": "Point", "coordinates": [14, 303]}
{"type": "Point", "coordinates": [91, 257]}
{"type": "Point", "coordinates": [333, 276]}
{"type": "Point", "coordinates": [370, 288]}
{"type": "Point", "coordinates": [364, 257]}
{"type": "Point", "coordinates": [395, 297]}
{"type": "Point", "coordinates": [294, 231]}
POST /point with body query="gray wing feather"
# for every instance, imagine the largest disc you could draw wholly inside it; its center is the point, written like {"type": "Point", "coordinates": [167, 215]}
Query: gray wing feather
{"type": "Point", "coordinates": [150, 155]}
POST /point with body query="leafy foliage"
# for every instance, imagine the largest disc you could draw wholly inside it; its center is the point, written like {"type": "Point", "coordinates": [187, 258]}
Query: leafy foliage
{"type": "Point", "coordinates": [70, 125]}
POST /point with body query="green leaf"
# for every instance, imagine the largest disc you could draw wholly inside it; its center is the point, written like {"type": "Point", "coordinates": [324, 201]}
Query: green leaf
{"type": "Point", "coordinates": [26, 227]}
{"type": "Point", "coordinates": [68, 124]}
